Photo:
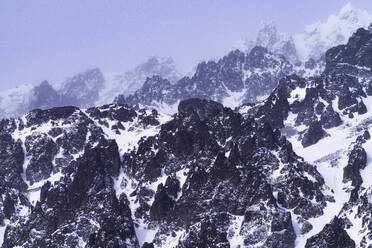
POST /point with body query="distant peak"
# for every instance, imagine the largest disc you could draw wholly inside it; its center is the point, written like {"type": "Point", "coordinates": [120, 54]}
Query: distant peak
{"type": "Point", "coordinates": [267, 25]}
{"type": "Point", "coordinates": [347, 8]}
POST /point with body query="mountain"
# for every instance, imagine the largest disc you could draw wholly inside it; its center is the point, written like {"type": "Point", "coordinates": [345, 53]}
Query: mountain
{"type": "Point", "coordinates": [234, 79]}
{"type": "Point", "coordinates": [276, 42]}
{"type": "Point", "coordinates": [336, 30]}
{"type": "Point", "coordinates": [133, 80]}
{"type": "Point", "coordinates": [290, 171]}
{"type": "Point", "coordinates": [251, 75]}
{"type": "Point", "coordinates": [84, 89]}
{"type": "Point", "coordinates": [80, 90]}
{"type": "Point", "coordinates": [310, 46]}
{"type": "Point", "coordinates": [328, 119]}
{"type": "Point", "coordinates": [112, 176]}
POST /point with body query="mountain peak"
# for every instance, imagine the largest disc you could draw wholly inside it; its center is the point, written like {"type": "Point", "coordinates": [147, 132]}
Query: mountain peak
{"type": "Point", "coordinates": [336, 30]}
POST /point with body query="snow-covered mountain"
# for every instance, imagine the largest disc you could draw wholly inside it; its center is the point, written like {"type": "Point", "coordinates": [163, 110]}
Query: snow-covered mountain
{"type": "Point", "coordinates": [315, 40]}
{"type": "Point", "coordinates": [85, 89]}
{"type": "Point", "coordinates": [133, 80]}
{"type": "Point", "coordinates": [249, 76]}
{"type": "Point", "coordinates": [336, 30]}
{"type": "Point", "coordinates": [328, 121]}
{"type": "Point", "coordinates": [232, 80]}
{"type": "Point", "coordinates": [80, 90]}
{"type": "Point", "coordinates": [276, 42]}
{"type": "Point", "coordinates": [290, 171]}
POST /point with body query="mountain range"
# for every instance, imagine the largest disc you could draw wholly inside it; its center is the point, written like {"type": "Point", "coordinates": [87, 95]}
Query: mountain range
{"type": "Point", "coordinates": [283, 54]}
{"type": "Point", "coordinates": [250, 151]}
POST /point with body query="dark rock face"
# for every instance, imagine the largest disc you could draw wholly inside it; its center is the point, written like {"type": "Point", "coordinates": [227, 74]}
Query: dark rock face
{"type": "Point", "coordinates": [87, 202]}
{"type": "Point", "coordinates": [330, 118]}
{"type": "Point", "coordinates": [44, 96]}
{"type": "Point", "coordinates": [313, 134]}
{"type": "Point", "coordinates": [117, 176]}
{"type": "Point", "coordinates": [12, 187]}
{"type": "Point", "coordinates": [333, 235]}
{"type": "Point", "coordinates": [357, 161]}
{"type": "Point", "coordinates": [66, 194]}
{"type": "Point", "coordinates": [355, 52]}
{"type": "Point", "coordinates": [82, 89]}
{"type": "Point", "coordinates": [325, 99]}
{"type": "Point", "coordinates": [226, 162]}
{"type": "Point", "coordinates": [255, 74]}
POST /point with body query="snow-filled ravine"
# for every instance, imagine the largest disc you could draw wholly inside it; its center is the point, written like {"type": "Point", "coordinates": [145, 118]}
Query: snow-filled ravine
{"type": "Point", "coordinates": [330, 155]}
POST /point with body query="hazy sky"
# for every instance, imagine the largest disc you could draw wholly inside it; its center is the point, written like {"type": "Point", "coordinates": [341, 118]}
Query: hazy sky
{"type": "Point", "coordinates": [49, 39]}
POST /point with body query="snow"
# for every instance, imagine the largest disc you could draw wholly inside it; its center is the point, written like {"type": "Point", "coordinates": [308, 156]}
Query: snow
{"type": "Point", "coordinates": [134, 131]}
{"type": "Point", "coordinates": [233, 234]}
{"type": "Point", "coordinates": [297, 94]}
{"type": "Point", "coordinates": [336, 30]}
{"type": "Point", "coordinates": [34, 190]}
{"type": "Point", "coordinates": [330, 155]}
{"type": "Point", "coordinates": [126, 185]}
{"type": "Point", "coordinates": [2, 231]}
{"type": "Point", "coordinates": [234, 98]}
{"type": "Point", "coordinates": [367, 172]}
{"type": "Point", "coordinates": [166, 109]}
{"type": "Point", "coordinates": [182, 176]}
{"type": "Point", "coordinates": [333, 179]}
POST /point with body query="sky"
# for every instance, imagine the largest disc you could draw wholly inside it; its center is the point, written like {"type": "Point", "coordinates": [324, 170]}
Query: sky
{"type": "Point", "coordinates": [52, 40]}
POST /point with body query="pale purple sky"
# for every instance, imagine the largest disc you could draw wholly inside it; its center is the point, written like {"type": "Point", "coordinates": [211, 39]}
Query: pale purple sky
{"type": "Point", "coordinates": [52, 40]}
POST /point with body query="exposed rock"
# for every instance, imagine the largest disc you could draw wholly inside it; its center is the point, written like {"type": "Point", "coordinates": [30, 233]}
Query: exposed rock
{"type": "Point", "coordinates": [333, 235]}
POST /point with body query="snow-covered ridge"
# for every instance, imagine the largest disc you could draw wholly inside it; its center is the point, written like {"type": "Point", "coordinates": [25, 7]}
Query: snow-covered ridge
{"type": "Point", "coordinates": [336, 30]}
{"type": "Point", "coordinates": [132, 80]}
{"type": "Point", "coordinates": [55, 139]}
{"type": "Point", "coordinates": [316, 38]}
{"type": "Point", "coordinates": [86, 89]}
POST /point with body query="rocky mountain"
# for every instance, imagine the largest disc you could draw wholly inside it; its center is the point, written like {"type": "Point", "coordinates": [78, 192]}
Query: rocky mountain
{"type": "Point", "coordinates": [85, 89]}
{"type": "Point", "coordinates": [290, 167]}
{"type": "Point", "coordinates": [234, 79]}
{"type": "Point", "coordinates": [328, 119]}
{"type": "Point", "coordinates": [251, 75]}
{"type": "Point", "coordinates": [308, 47]}
{"type": "Point", "coordinates": [115, 177]}
{"type": "Point", "coordinates": [290, 171]}
{"type": "Point", "coordinates": [336, 30]}
{"type": "Point", "coordinates": [276, 42]}
{"type": "Point", "coordinates": [133, 80]}
{"type": "Point", "coordinates": [80, 90]}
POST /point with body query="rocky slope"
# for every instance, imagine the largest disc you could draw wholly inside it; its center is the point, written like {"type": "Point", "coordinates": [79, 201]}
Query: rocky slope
{"type": "Point", "coordinates": [133, 80]}
{"type": "Point", "coordinates": [234, 79]}
{"type": "Point", "coordinates": [292, 170]}
{"type": "Point", "coordinates": [114, 176]}
{"type": "Point", "coordinates": [328, 119]}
